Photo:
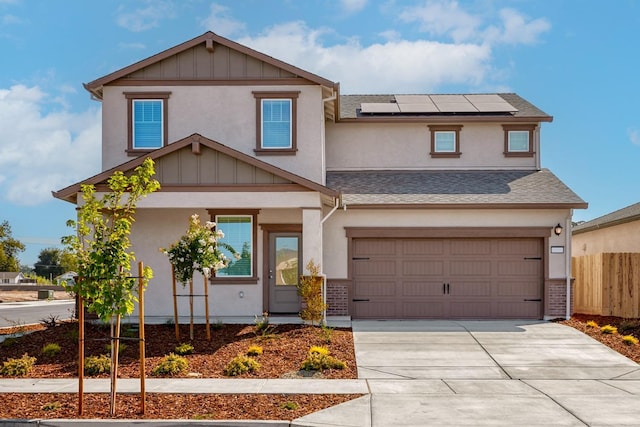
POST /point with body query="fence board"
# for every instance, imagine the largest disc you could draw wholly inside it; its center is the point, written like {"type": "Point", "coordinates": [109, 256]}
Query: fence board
{"type": "Point", "coordinates": [607, 284]}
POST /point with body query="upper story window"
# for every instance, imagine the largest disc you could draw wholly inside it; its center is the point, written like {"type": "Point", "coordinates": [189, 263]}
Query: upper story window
{"type": "Point", "coordinates": [147, 121]}
{"type": "Point", "coordinates": [276, 117]}
{"type": "Point", "coordinates": [518, 140]}
{"type": "Point", "coordinates": [240, 230]}
{"type": "Point", "coordinates": [445, 140]}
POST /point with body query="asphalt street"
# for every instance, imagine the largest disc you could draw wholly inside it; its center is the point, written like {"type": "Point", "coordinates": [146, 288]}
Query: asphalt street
{"type": "Point", "coordinates": [25, 313]}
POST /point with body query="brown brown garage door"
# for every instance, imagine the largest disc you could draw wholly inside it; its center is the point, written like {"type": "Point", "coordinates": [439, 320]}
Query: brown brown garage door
{"type": "Point", "coordinates": [447, 278]}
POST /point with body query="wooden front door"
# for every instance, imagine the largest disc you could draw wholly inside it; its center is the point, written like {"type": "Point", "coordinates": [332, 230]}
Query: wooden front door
{"type": "Point", "coordinates": [284, 271]}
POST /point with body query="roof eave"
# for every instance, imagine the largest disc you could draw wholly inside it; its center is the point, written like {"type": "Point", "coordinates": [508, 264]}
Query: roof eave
{"type": "Point", "coordinates": [606, 224]}
{"type": "Point", "coordinates": [465, 205]}
{"type": "Point", "coordinates": [445, 119]}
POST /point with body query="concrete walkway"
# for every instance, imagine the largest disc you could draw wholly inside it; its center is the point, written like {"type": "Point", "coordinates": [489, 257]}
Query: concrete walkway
{"type": "Point", "coordinates": [440, 373]}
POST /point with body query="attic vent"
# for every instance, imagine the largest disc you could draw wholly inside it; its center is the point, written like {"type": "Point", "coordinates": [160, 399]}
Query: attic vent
{"type": "Point", "coordinates": [209, 45]}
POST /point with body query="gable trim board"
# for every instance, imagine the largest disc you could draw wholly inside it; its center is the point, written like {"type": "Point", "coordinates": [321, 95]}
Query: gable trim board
{"type": "Point", "coordinates": [196, 142]}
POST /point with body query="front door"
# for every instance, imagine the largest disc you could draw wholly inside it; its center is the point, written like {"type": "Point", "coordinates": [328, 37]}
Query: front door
{"type": "Point", "coordinates": [284, 271]}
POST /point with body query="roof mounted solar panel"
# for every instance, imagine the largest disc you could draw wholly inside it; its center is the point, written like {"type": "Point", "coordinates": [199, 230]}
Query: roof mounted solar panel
{"type": "Point", "coordinates": [379, 107]}
{"type": "Point", "coordinates": [418, 108]}
{"type": "Point", "coordinates": [491, 103]}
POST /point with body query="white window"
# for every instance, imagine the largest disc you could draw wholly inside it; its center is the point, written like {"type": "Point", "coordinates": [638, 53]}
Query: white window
{"type": "Point", "coordinates": [518, 141]}
{"type": "Point", "coordinates": [445, 142]}
{"type": "Point", "coordinates": [147, 124]}
{"type": "Point", "coordinates": [238, 233]}
{"type": "Point", "coordinates": [276, 123]}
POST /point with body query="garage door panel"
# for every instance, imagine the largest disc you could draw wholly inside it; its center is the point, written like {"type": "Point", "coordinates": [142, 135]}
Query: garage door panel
{"type": "Point", "coordinates": [422, 268]}
{"type": "Point", "coordinates": [470, 247]}
{"type": "Point", "coordinates": [469, 268]}
{"type": "Point", "coordinates": [423, 310]}
{"type": "Point", "coordinates": [374, 310]}
{"type": "Point", "coordinates": [522, 289]}
{"type": "Point", "coordinates": [368, 247]}
{"type": "Point", "coordinates": [518, 310]}
{"type": "Point", "coordinates": [375, 289]}
{"type": "Point", "coordinates": [379, 268]}
{"type": "Point", "coordinates": [519, 268]}
{"type": "Point", "coordinates": [530, 247]}
{"type": "Point", "coordinates": [423, 247]}
{"type": "Point", "coordinates": [470, 289]}
{"type": "Point", "coordinates": [475, 309]}
{"type": "Point", "coordinates": [422, 289]}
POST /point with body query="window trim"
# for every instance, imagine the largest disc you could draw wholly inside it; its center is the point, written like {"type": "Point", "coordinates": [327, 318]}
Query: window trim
{"type": "Point", "coordinates": [269, 95]}
{"type": "Point", "coordinates": [248, 280]}
{"type": "Point", "coordinates": [445, 128]}
{"type": "Point", "coordinates": [146, 96]}
{"type": "Point", "coordinates": [519, 128]}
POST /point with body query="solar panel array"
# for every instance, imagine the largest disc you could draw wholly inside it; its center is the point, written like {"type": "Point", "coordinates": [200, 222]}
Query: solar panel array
{"type": "Point", "coordinates": [483, 103]}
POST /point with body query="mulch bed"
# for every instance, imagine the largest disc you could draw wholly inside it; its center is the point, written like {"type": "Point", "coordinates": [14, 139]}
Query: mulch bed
{"type": "Point", "coordinates": [284, 349]}
{"type": "Point", "coordinates": [625, 327]}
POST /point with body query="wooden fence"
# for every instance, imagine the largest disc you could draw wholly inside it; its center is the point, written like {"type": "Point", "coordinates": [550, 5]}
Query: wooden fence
{"type": "Point", "coordinates": [607, 284]}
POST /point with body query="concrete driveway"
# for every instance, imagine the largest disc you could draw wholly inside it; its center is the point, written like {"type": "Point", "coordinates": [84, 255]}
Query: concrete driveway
{"type": "Point", "coordinates": [485, 373]}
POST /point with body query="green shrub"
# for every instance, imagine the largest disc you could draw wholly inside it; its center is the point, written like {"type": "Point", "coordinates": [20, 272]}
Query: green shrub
{"type": "Point", "coordinates": [184, 348]}
{"type": "Point", "coordinates": [326, 333]}
{"type": "Point", "coordinates": [240, 365]}
{"type": "Point", "coordinates": [263, 328]}
{"type": "Point", "coordinates": [319, 359]}
{"type": "Point", "coordinates": [254, 350]}
{"type": "Point", "coordinates": [10, 342]}
{"type": "Point", "coordinates": [51, 349]}
{"type": "Point", "coordinates": [18, 367]}
{"type": "Point", "coordinates": [630, 340]}
{"type": "Point", "coordinates": [608, 329]}
{"type": "Point", "coordinates": [310, 290]}
{"type": "Point", "coordinates": [51, 406]}
{"type": "Point", "coordinates": [291, 406]}
{"type": "Point", "coordinates": [96, 365]}
{"type": "Point", "coordinates": [172, 364]}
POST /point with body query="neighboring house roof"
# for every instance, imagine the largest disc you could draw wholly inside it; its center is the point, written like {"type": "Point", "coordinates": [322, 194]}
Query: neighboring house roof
{"type": "Point", "coordinates": [11, 275]}
{"type": "Point", "coordinates": [209, 39]}
{"type": "Point", "coordinates": [195, 143]}
{"type": "Point", "coordinates": [350, 109]}
{"type": "Point", "coordinates": [629, 214]}
{"type": "Point", "coordinates": [457, 189]}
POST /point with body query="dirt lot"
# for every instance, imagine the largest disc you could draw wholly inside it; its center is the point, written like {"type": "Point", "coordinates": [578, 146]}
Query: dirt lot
{"type": "Point", "coordinates": [30, 295]}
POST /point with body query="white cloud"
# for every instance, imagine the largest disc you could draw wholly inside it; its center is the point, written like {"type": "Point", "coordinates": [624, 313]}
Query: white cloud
{"type": "Point", "coordinates": [145, 18]}
{"type": "Point", "coordinates": [634, 135]}
{"type": "Point", "coordinates": [9, 19]}
{"type": "Point", "coordinates": [41, 152]}
{"type": "Point", "coordinates": [351, 6]}
{"type": "Point", "coordinates": [442, 18]}
{"type": "Point", "coordinates": [220, 21]}
{"type": "Point", "coordinates": [394, 66]}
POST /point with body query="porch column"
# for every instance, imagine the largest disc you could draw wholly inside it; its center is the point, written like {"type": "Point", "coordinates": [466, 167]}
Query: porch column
{"type": "Point", "coordinates": [311, 237]}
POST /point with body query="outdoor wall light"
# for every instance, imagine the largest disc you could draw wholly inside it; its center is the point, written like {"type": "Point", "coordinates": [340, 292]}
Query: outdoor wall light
{"type": "Point", "coordinates": [558, 229]}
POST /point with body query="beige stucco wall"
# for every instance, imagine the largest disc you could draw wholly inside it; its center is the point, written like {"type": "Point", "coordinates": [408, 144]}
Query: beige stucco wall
{"type": "Point", "coordinates": [406, 146]}
{"type": "Point", "coordinates": [335, 241]}
{"type": "Point", "coordinates": [226, 114]}
{"type": "Point", "coordinates": [618, 238]}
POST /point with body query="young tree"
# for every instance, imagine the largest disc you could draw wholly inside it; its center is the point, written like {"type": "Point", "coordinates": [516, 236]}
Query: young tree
{"type": "Point", "coordinates": [102, 250]}
{"type": "Point", "coordinates": [9, 249]}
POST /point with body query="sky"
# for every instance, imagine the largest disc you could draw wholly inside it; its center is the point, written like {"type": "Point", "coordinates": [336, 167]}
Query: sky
{"type": "Point", "coordinates": [574, 59]}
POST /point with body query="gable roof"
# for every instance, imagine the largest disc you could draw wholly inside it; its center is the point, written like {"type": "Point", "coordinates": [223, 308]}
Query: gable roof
{"type": "Point", "coordinates": [209, 40]}
{"type": "Point", "coordinates": [194, 144]}
{"type": "Point", "coordinates": [455, 189]}
{"type": "Point", "coordinates": [11, 275]}
{"type": "Point", "coordinates": [628, 214]}
{"type": "Point", "coordinates": [350, 106]}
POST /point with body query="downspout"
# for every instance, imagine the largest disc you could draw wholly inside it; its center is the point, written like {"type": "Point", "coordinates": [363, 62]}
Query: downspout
{"type": "Point", "coordinates": [567, 261]}
{"type": "Point", "coordinates": [323, 159]}
{"type": "Point", "coordinates": [336, 202]}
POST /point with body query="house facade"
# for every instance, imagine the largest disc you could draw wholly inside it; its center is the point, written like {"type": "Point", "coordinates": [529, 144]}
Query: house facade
{"type": "Point", "coordinates": [11, 277]}
{"type": "Point", "coordinates": [615, 232]}
{"type": "Point", "coordinates": [414, 206]}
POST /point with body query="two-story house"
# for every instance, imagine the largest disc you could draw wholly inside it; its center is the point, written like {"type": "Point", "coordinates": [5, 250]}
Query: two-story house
{"type": "Point", "coordinates": [415, 206]}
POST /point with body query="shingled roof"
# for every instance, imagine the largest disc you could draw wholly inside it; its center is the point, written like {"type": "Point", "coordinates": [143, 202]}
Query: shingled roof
{"type": "Point", "coordinates": [350, 106]}
{"type": "Point", "coordinates": [621, 216]}
{"type": "Point", "coordinates": [474, 189]}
